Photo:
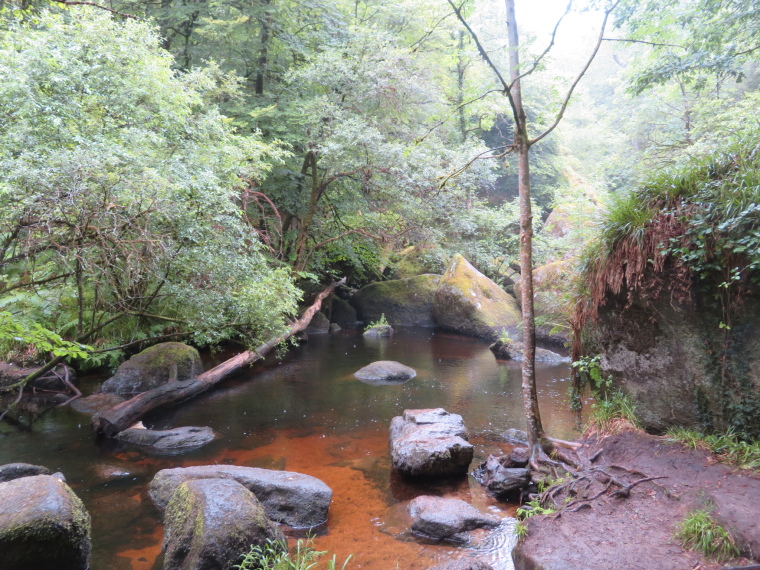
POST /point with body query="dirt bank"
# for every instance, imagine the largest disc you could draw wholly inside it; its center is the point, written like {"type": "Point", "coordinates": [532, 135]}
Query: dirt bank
{"type": "Point", "coordinates": [637, 532]}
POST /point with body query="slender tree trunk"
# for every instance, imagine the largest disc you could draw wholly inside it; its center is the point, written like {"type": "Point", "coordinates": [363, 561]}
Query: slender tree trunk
{"type": "Point", "coordinates": [266, 26]}
{"type": "Point", "coordinates": [522, 145]}
{"type": "Point", "coordinates": [316, 194]}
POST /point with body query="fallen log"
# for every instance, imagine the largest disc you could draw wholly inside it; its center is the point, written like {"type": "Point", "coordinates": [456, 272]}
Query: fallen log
{"type": "Point", "coordinates": [121, 416]}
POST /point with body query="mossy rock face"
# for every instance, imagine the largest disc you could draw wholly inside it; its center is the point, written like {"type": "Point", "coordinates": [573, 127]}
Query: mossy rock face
{"type": "Point", "coordinates": [404, 302]}
{"type": "Point", "coordinates": [212, 523]}
{"type": "Point", "coordinates": [679, 366]}
{"type": "Point", "coordinates": [467, 302]}
{"type": "Point", "coordinates": [154, 367]}
{"type": "Point", "coordinates": [43, 525]}
{"type": "Point", "coordinates": [417, 260]}
{"type": "Point", "coordinates": [553, 301]}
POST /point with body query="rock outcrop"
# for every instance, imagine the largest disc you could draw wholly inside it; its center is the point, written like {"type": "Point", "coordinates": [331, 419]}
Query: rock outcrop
{"type": "Point", "coordinates": [513, 350]}
{"type": "Point", "coordinates": [404, 302]}
{"type": "Point", "coordinates": [467, 302]}
{"type": "Point", "coordinates": [210, 523]}
{"type": "Point", "coordinates": [385, 372]}
{"type": "Point", "coordinates": [430, 443]}
{"type": "Point", "coordinates": [174, 440]}
{"type": "Point", "coordinates": [43, 525]}
{"type": "Point", "coordinates": [153, 367]}
{"type": "Point", "coordinates": [447, 519]}
{"type": "Point", "coordinates": [294, 499]}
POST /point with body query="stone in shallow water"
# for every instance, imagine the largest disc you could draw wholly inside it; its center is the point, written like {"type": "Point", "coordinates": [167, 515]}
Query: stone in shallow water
{"type": "Point", "coordinates": [385, 372]}
{"type": "Point", "coordinates": [447, 519]}
{"type": "Point", "coordinates": [463, 565]}
{"type": "Point", "coordinates": [294, 499]}
{"type": "Point", "coordinates": [499, 480]}
{"type": "Point", "coordinates": [169, 440]}
{"type": "Point", "coordinates": [12, 471]}
{"type": "Point", "coordinates": [430, 442]}
{"type": "Point", "coordinates": [378, 331]}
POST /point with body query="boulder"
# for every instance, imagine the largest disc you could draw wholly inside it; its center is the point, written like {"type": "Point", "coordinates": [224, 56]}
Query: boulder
{"type": "Point", "coordinates": [430, 443]}
{"type": "Point", "coordinates": [467, 302]}
{"type": "Point", "coordinates": [513, 350]}
{"type": "Point", "coordinates": [319, 324]}
{"type": "Point", "coordinates": [343, 314]}
{"type": "Point", "coordinates": [209, 524]}
{"type": "Point", "coordinates": [385, 372]}
{"type": "Point", "coordinates": [169, 440]}
{"type": "Point", "coordinates": [553, 299]}
{"type": "Point", "coordinates": [153, 367]}
{"type": "Point", "coordinates": [43, 525]}
{"type": "Point", "coordinates": [463, 565]}
{"type": "Point", "coordinates": [378, 331]}
{"type": "Point", "coordinates": [501, 481]}
{"type": "Point", "coordinates": [404, 302]}
{"type": "Point", "coordinates": [447, 519]}
{"type": "Point", "coordinates": [11, 471]}
{"type": "Point", "coordinates": [417, 260]}
{"type": "Point", "coordinates": [518, 457]}
{"type": "Point", "coordinates": [294, 499]}
{"type": "Point", "coordinates": [515, 437]}
{"type": "Point", "coordinates": [96, 403]}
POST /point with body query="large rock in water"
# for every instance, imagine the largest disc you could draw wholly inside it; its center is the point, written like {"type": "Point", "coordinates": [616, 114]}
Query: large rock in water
{"type": "Point", "coordinates": [174, 440]}
{"type": "Point", "coordinates": [513, 350]}
{"type": "Point", "coordinates": [467, 302]}
{"type": "Point", "coordinates": [430, 443]}
{"type": "Point", "coordinates": [294, 499]}
{"type": "Point", "coordinates": [319, 324]}
{"type": "Point", "coordinates": [502, 480]}
{"type": "Point", "coordinates": [385, 372]}
{"type": "Point", "coordinates": [153, 367]}
{"type": "Point", "coordinates": [447, 519]}
{"type": "Point", "coordinates": [209, 524]}
{"type": "Point", "coordinates": [404, 302]}
{"type": "Point", "coordinates": [11, 471]}
{"type": "Point", "coordinates": [342, 313]}
{"type": "Point", "coordinates": [43, 525]}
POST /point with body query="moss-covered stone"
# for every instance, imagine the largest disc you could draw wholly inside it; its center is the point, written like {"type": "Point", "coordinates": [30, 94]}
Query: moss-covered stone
{"type": "Point", "coordinates": [342, 313]}
{"type": "Point", "coordinates": [417, 260]}
{"type": "Point", "coordinates": [468, 302]}
{"type": "Point", "coordinates": [153, 367]}
{"type": "Point", "coordinates": [404, 302]}
{"type": "Point", "coordinates": [43, 525]}
{"type": "Point", "coordinates": [319, 324]}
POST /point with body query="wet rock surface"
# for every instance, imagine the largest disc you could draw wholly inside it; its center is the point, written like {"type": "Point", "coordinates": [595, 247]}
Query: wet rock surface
{"type": "Point", "coordinates": [385, 372]}
{"type": "Point", "coordinates": [11, 471]}
{"type": "Point", "coordinates": [501, 479]}
{"type": "Point", "coordinates": [96, 403]}
{"type": "Point", "coordinates": [174, 440]}
{"type": "Point", "coordinates": [294, 499]}
{"type": "Point", "coordinates": [210, 523]}
{"type": "Point", "coordinates": [515, 437]}
{"type": "Point", "coordinates": [154, 367]}
{"type": "Point", "coordinates": [319, 324]}
{"type": "Point", "coordinates": [463, 565]}
{"type": "Point", "coordinates": [430, 442]}
{"type": "Point", "coordinates": [447, 519]}
{"type": "Point", "coordinates": [43, 525]}
{"type": "Point", "coordinates": [513, 350]}
{"type": "Point", "coordinates": [378, 331]}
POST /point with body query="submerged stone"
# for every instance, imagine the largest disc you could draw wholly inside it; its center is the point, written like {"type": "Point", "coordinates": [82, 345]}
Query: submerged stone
{"type": "Point", "coordinates": [170, 440]}
{"type": "Point", "coordinates": [447, 519]}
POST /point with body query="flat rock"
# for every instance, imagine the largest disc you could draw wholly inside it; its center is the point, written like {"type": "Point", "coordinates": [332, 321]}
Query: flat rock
{"type": "Point", "coordinates": [11, 471]}
{"type": "Point", "coordinates": [43, 525]}
{"type": "Point", "coordinates": [447, 519]}
{"type": "Point", "coordinates": [294, 499]}
{"type": "Point", "coordinates": [210, 523]}
{"type": "Point", "coordinates": [430, 442]}
{"type": "Point", "coordinates": [385, 372]}
{"type": "Point", "coordinates": [154, 367]}
{"type": "Point", "coordinates": [96, 403]}
{"type": "Point", "coordinates": [501, 481]}
{"type": "Point", "coordinates": [170, 440]}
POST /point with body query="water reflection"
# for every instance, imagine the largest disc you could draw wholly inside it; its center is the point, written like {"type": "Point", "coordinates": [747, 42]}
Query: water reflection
{"type": "Point", "coordinates": [309, 414]}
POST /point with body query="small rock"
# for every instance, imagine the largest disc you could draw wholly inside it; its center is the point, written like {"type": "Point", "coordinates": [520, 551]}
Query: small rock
{"type": "Point", "coordinates": [379, 331]}
{"type": "Point", "coordinates": [518, 457]}
{"type": "Point", "coordinates": [210, 523]}
{"type": "Point", "coordinates": [516, 437]}
{"type": "Point", "coordinates": [447, 519]}
{"type": "Point", "coordinates": [385, 372]}
{"type": "Point", "coordinates": [335, 327]}
{"type": "Point", "coordinates": [11, 471]}
{"type": "Point", "coordinates": [499, 480]}
{"type": "Point", "coordinates": [170, 440]}
{"type": "Point", "coordinates": [430, 442]}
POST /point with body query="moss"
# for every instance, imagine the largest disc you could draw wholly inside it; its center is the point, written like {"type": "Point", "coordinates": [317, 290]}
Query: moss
{"type": "Point", "coordinates": [405, 302]}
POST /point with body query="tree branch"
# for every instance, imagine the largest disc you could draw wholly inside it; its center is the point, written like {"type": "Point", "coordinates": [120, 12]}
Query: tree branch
{"type": "Point", "coordinates": [80, 3]}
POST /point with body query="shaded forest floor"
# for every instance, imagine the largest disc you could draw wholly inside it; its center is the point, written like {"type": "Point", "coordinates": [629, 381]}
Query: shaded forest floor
{"type": "Point", "coordinates": [638, 532]}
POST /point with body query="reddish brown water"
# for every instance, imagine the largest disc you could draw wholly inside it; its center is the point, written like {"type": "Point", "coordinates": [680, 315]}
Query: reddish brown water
{"type": "Point", "coordinates": [309, 414]}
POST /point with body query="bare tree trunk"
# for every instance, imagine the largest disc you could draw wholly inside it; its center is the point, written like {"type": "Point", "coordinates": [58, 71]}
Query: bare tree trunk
{"type": "Point", "coordinates": [123, 415]}
{"type": "Point", "coordinates": [522, 147]}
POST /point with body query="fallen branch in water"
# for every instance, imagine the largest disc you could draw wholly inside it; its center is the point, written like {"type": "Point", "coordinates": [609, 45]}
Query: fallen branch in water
{"type": "Point", "coordinates": [121, 416]}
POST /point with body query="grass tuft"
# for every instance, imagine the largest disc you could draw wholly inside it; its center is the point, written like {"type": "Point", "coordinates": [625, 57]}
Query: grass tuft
{"type": "Point", "coordinates": [274, 555]}
{"type": "Point", "coordinates": [699, 531]}
{"type": "Point", "coordinates": [729, 447]}
{"type": "Point", "coordinates": [613, 413]}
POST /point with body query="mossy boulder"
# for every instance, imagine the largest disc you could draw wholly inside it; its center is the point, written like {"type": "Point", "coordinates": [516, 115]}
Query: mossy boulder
{"type": "Point", "coordinates": [209, 524]}
{"type": "Point", "coordinates": [467, 302]}
{"type": "Point", "coordinates": [154, 367]}
{"type": "Point", "coordinates": [404, 302]}
{"type": "Point", "coordinates": [417, 260]}
{"type": "Point", "coordinates": [43, 525]}
{"type": "Point", "coordinates": [553, 301]}
{"type": "Point", "coordinates": [342, 313]}
{"type": "Point", "coordinates": [319, 324]}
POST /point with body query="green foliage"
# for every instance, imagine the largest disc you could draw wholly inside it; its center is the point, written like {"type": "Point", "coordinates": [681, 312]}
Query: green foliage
{"type": "Point", "coordinates": [611, 413]}
{"type": "Point", "coordinates": [14, 331]}
{"type": "Point", "coordinates": [699, 531]}
{"type": "Point", "coordinates": [532, 509]}
{"type": "Point", "coordinates": [275, 556]}
{"type": "Point", "coordinates": [381, 322]}
{"type": "Point", "coordinates": [728, 446]}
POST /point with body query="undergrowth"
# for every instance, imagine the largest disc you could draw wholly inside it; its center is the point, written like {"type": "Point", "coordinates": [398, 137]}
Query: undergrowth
{"type": "Point", "coordinates": [699, 531]}
{"type": "Point", "coordinates": [728, 447]}
{"type": "Point", "coordinates": [381, 322]}
{"type": "Point", "coordinates": [274, 555]}
{"type": "Point", "coordinates": [530, 509]}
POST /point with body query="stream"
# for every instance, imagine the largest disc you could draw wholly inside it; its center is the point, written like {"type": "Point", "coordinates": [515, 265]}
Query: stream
{"type": "Point", "coordinates": [307, 413]}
